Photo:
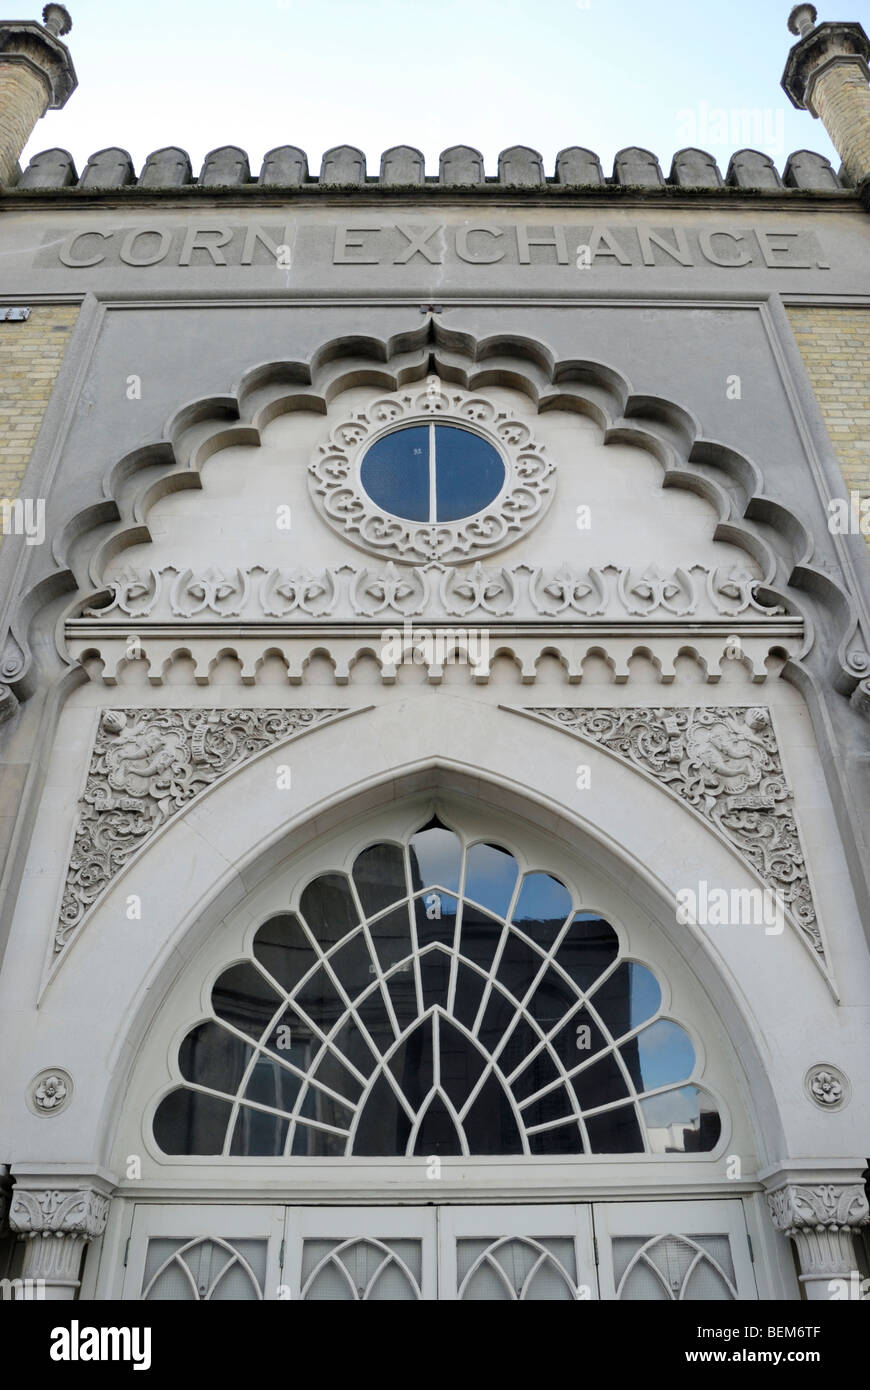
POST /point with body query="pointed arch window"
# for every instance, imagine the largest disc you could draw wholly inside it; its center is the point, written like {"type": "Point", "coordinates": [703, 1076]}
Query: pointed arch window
{"type": "Point", "coordinates": [436, 1000]}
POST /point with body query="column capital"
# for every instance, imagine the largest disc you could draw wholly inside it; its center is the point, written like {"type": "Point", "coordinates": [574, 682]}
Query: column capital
{"type": "Point", "coordinates": [58, 1211]}
{"type": "Point", "coordinates": [820, 1211]}
{"type": "Point", "coordinates": [57, 1219]}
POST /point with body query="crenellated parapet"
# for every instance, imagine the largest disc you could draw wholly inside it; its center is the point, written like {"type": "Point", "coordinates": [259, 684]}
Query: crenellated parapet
{"type": "Point", "coordinates": [520, 170]}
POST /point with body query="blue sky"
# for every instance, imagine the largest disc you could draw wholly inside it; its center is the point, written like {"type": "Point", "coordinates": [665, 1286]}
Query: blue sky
{"type": "Point", "coordinates": [375, 73]}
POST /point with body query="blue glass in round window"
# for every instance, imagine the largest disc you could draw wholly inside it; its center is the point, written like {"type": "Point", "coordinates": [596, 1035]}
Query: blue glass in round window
{"type": "Point", "coordinates": [432, 473]}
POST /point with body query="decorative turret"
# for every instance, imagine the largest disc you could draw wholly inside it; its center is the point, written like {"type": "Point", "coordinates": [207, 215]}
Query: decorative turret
{"type": "Point", "coordinates": [36, 75]}
{"type": "Point", "coordinates": [827, 75]}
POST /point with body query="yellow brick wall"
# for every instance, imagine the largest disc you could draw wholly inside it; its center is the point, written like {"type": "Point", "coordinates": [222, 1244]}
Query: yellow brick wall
{"type": "Point", "coordinates": [30, 356]}
{"type": "Point", "coordinates": [23, 99]}
{"type": "Point", "coordinates": [835, 346]}
{"type": "Point", "coordinates": [843, 103]}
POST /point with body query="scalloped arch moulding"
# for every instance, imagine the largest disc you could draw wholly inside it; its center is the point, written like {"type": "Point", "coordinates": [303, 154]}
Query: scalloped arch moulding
{"type": "Point", "coordinates": [732, 483]}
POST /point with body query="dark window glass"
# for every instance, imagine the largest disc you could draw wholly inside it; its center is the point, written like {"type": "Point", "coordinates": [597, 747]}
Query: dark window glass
{"type": "Point", "coordinates": [321, 1001]}
{"type": "Point", "coordinates": [435, 918]}
{"type": "Point", "coordinates": [327, 907]}
{"type": "Point", "coordinates": [564, 1139]}
{"type": "Point", "coordinates": [384, 1128]}
{"type": "Point", "coordinates": [259, 1134]}
{"type": "Point", "coordinates": [283, 949]}
{"type": "Point", "coordinates": [435, 978]}
{"type": "Point", "coordinates": [542, 907]}
{"type": "Point", "coordinates": [461, 1063]}
{"type": "Point", "coordinates": [413, 1064]}
{"type": "Point", "coordinates": [210, 1056]}
{"type": "Point", "coordinates": [271, 1084]}
{"type": "Point", "coordinates": [391, 935]}
{"type": "Point", "coordinates": [490, 877]}
{"type": "Point", "coordinates": [660, 1055]}
{"type": "Point", "coordinates": [599, 1083]}
{"type": "Point", "coordinates": [588, 947]}
{"type": "Point", "coordinates": [395, 473]}
{"type": "Point", "coordinates": [379, 876]}
{"type": "Point", "coordinates": [437, 1133]}
{"type": "Point", "coordinates": [309, 1142]}
{"type": "Point", "coordinates": [555, 1105]}
{"type": "Point", "coordinates": [519, 965]}
{"type": "Point", "coordinates": [683, 1121]}
{"type": "Point", "coordinates": [386, 989]}
{"type": "Point", "coordinates": [190, 1122]}
{"type": "Point", "coordinates": [432, 473]}
{"type": "Point", "coordinates": [435, 855]}
{"type": "Point", "coordinates": [352, 966]}
{"type": "Point", "coordinates": [244, 998]}
{"type": "Point", "coordinates": [490, 1125]}
{"type": "Point", "coordinates": [615, 1132]}
{"type": "Point", "coordinates": [627, 998]}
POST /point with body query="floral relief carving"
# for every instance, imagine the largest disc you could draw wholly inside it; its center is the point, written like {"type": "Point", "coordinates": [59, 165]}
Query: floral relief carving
{"type": "Point", "coordinates": [827, 1086]}
{"type": "Point", "coordinates": [493, 592]}
{"type": "Point", "coordinates": [515, 591]}
{"type": "Point", "coordinates": [53, 1212]}
{"type": "Point", "coordinates": [395, 590]}
{"type": "Point", "coordinates": [51, 1091]}
{"type": "Point", "coordinates": [567, 590]}
{"type": "Point", "coordinates": [224, 592]}
{"type": "Point", "coordinates": [289, 593]}
{"type": "Point", "coordinates": [725, 764]}
{"type": "Point", "coordinates": [146, 765]}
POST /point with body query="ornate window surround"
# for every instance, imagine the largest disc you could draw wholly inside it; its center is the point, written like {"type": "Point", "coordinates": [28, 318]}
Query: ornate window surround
{"type": "Point", "coordinates": [341, 500]}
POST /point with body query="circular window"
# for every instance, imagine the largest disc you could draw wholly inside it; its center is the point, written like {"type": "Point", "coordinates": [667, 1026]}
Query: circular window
{"type": "Point", "coordinates": [431, 475]}
{"type": "Point", "coordinates": [432, 472]}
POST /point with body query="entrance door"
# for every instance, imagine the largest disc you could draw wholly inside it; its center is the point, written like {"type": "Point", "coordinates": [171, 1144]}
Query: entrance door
{"type": "Point", "coordinates": [625, 1251]}
{"type": "Point", "coordinates": [679, 1251]}
{"type": "Point", "coordinates": [516, 1254]}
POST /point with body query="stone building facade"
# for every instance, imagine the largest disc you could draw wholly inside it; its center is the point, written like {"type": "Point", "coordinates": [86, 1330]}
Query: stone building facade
{"type": "Point", "coordinates": [435, 706]}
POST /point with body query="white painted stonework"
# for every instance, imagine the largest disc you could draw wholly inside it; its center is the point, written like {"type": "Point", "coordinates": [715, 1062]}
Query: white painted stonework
{"type": "Point", "coordinates": [595, 674]}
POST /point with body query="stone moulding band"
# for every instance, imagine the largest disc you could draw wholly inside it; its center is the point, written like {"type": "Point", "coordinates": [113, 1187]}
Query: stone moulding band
{"type": "Point", "coordinates": [146, 766]}
{"type": "Point", "coordinates": [725, 765]}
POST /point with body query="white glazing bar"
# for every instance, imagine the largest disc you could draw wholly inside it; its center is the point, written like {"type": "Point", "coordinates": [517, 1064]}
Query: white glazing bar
{"type": "Point", "coordinates": [433, 482]}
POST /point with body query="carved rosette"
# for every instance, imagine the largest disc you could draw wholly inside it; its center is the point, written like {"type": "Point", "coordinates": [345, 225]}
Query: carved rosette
{"type": "Point", "coordinates": [50, 1091]}
{"type": "Point", "coordinates": [827, 1086]}
{"type": "Point", "coordinates": [146, 766]}
{"type": "Point", "coordinates": [821, 1220]}
{"type": "Point", "coordinates": [725, 764]}
{"type": "Point", "coordinates": [334, 479]}
{"type": "Point", "coordinates": [57, 1224]}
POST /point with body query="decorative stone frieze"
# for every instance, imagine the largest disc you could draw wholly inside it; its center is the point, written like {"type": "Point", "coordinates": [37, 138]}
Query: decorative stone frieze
{"type": "Point", "coordinates": [146, 766]}
{"type": "Point", "coordinates": [345, 592]}
{"type": "Point", "coordinates": [725, 765]}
